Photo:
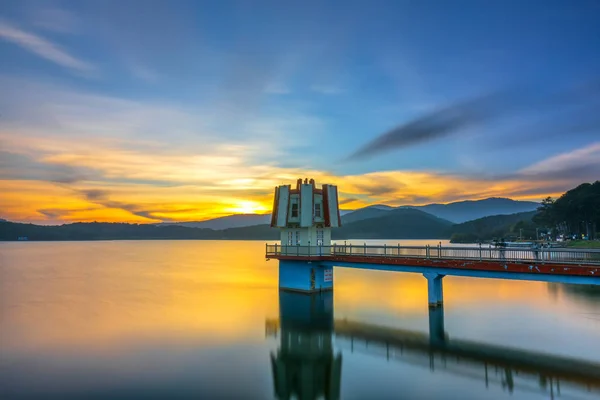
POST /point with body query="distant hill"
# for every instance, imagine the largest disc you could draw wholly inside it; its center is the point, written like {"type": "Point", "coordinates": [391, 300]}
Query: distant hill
{"type": "Point", "coordinates": [457, 212]}
{"type": "Point", "coordinates": [229, 221]}
{"type": "Point", "coordinates": [396, 224]}
{"type": "Point", "coordinates": [119, 231]}
{"type": "Point", "coordinates": [495, 226]}
{"type": "Point", "coordinates": [233, 221]}
{"type": "Point", "coordinates": [366, 213]}
{"type": "Point", "coordinates": [468, 210]}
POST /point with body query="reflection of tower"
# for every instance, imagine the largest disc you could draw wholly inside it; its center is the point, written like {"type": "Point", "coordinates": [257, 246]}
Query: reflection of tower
{"type": "Point", "coordinates": [305, 365]}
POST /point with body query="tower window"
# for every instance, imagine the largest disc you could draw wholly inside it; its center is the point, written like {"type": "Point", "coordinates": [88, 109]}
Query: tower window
{"type": "Point", "coordinates": [294, 210]}
{"type": "Point", "coordinates": [317, 210]}
{"type": "Point", "coordinates": [320, 237]}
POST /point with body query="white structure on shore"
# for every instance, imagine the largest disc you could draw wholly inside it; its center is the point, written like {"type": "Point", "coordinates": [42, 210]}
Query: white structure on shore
{"type": "Point", "coordinates": [306, 214]}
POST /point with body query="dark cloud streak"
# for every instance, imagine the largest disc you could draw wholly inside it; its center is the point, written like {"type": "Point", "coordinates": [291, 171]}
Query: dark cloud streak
{"type": "Point", "coordinates": [578, 105]}
{"type": "Point", "coordinates": [102, 198]}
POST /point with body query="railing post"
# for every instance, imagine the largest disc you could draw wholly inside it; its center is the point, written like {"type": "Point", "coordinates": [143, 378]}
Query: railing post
{"type": "Point", "coordinates": [542, 254]}
{"type": "Point", "coordinates": [297, 250]}
{"type": "Point", "coordinates": [275, 248]}
{"type": "Point", "coordinates": [384, 250]}
{"type": "Point", "coordinates": [365, 249]}
{"type": "Point", "coordinates": [427, 251]}
{"type": "Point", "coordinates": [398, 249]}
{"type": "Point", "coordinates": [350, 248]}
{"type": "Point", "coordinates": [479, 251]}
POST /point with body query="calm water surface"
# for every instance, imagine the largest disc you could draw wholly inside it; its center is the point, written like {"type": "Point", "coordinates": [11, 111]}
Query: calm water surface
{"type": "Point", "coordinates": [205, 319]}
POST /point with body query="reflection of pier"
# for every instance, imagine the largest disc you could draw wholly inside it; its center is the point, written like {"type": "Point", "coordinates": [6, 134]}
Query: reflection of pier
{"type": "Point", "coordinates": [305, 364]}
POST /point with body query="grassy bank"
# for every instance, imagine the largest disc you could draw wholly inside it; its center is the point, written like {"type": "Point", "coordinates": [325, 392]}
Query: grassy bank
{"type": "Point", "coordinates": [584, 244]}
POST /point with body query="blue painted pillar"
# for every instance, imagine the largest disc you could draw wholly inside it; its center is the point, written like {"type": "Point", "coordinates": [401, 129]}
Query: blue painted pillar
{"type": "Point", "coordinates": [437, 334]}
{"type": "Point", "coordinates": [435, 293]}
{"type": "Point", "coordinates": [304, 276]}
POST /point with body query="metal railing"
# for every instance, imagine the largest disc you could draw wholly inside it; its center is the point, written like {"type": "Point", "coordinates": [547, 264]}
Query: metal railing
{"type": "Point", "coordinates": [540, 255]}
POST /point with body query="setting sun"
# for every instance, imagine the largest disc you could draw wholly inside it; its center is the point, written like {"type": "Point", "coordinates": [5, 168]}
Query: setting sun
{"type": "Point", "coordinates": [248, 207]}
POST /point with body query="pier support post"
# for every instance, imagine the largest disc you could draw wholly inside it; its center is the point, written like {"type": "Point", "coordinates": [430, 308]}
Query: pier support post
{"type": "Point", "coordinates": [304, 276]}
{"type": "Point", "coordinates": [437, 334]}
{"type": "Point", "coordinates": [435, 293]}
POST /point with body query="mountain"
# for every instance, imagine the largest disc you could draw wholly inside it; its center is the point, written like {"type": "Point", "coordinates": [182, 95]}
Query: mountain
{"type": "Point", "coordinates": [495, 226]}
{"type": "Point", "coordinates": [403, 223]}
{"type": "Point", "coordinates": [101, 231]}
{"type": "Point", "coordinates": [396, 224]}
{"type": "Point", "coordinates": [234, 221]}
{"type": "Point", "coordinates": [366, 213]}
{"type": "Point", "coordinates": [229, 221]}
{"type": "Point", "coordinates": [468, 210]}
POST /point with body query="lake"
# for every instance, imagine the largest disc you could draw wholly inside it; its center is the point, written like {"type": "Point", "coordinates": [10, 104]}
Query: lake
{"type": "Point", "coordinates": [205, 319]}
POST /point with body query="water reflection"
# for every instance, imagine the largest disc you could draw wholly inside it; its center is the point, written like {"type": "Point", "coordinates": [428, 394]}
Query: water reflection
{"type": "Point", "coordinates": [588, 294]}
{"type": "Point", "coordinates": [186, 319]}
{"type": "Point", "coordinates": [307, 364]}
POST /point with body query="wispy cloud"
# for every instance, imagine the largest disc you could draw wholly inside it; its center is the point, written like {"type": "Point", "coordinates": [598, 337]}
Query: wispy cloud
{"type": "Point", "coordinates": [54, 19]}
{"type": "Point", "coordinates": [581, 164]}
{"type": "Point", "coordinates": [43, 48]}
{"type": "Point", "coordinates": [547, 108]}
{"type": "Point", "coordinates": [15, 166]}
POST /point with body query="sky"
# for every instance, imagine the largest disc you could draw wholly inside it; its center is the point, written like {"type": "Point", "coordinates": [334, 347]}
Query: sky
{"type": "Point", "coordinates": [149, 111]}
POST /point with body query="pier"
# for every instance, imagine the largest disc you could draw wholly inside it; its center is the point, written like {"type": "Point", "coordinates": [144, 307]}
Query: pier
{"type": "Point", "coordinates": [310, 268]}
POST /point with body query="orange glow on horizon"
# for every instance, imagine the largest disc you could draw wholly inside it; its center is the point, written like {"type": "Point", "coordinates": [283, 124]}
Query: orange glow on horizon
{"type": "Point", "coordinates": [110, 184]}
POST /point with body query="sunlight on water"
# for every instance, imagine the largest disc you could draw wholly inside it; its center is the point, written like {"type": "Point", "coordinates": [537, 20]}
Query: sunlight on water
{"type": "Point", "coordinates": [191, 319]}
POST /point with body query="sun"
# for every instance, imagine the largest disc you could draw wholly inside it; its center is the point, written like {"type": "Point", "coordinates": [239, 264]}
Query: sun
{"type": "Point", "coordinates": [247, 207]}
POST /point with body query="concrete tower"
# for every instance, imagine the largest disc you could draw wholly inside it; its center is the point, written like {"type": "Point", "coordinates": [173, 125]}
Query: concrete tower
{"type": "Point", "coordinates": [306, 214]}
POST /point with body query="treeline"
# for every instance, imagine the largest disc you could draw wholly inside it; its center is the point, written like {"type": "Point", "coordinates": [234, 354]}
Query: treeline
{"type": "Point", "coordinates": [577, 212]}
{"type": "Point", "coordinates": [507, 227]}
{"type": "Point", "coordinates": [123, 231]}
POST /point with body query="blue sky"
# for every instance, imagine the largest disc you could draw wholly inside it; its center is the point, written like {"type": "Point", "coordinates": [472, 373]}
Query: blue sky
{"type": "Point", "coordinates": [172, 106]}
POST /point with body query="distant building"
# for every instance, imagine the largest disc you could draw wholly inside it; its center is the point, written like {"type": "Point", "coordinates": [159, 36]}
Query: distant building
{"type": "Point", "coordinates": [306, 214]}
{"type": "Point", "coordinates": [22, 238]}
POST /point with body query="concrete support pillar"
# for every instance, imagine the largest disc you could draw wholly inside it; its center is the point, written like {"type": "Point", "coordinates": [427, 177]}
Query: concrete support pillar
{"type": "Point", "coordinates": [437, 334]}
{"type": "Point", "coordinates": [435, 292]}
{"type": "Point", "coordinates": [304, 276]}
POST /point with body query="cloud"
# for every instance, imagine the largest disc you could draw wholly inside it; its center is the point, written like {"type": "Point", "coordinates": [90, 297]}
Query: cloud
{"type": "Point", "coordinates": [577, 105]}
{"type": "Point", "coordinates": [581, 164]}
{"type": "Point", "coordinates": [435, 125]}
{"type": "Point", "coordinates": [43, 48]}
{"type": "Point", "coordinates": [379, 187]}
{"type": "Point", "coordinates": [347, 201]}
{"type": "Point", "coordinates": [15, 166]}
{"type": "Point", "coordinates": [60, 213]}
{"type": "Point", "coordinates": [101, 197]}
